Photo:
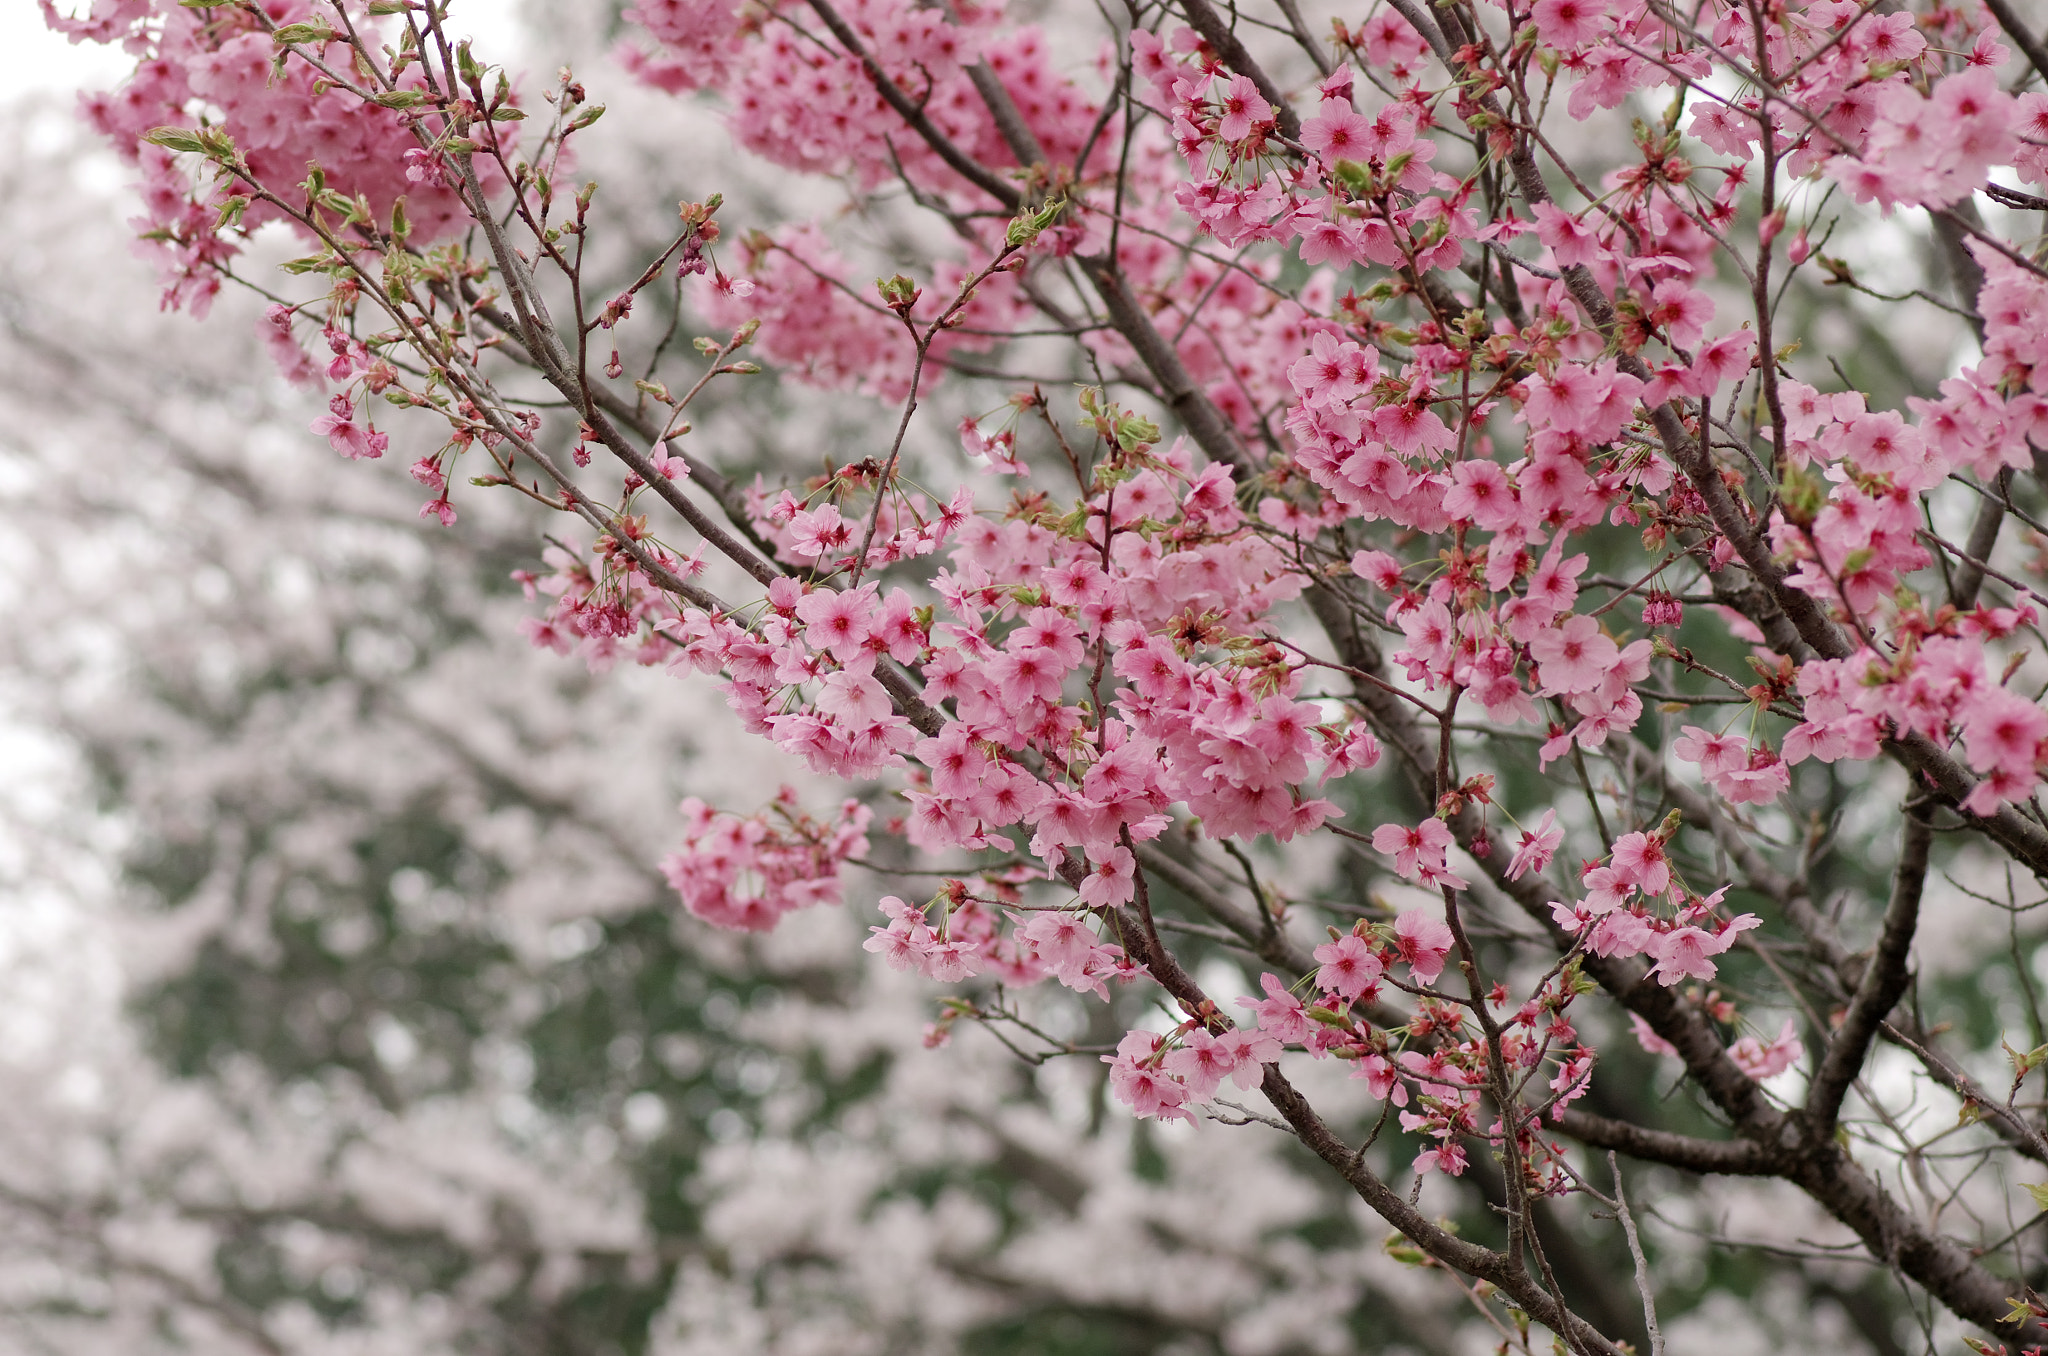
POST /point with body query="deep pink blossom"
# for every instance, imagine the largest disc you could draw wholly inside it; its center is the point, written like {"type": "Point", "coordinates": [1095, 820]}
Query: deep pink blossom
{"type": "Point", "coordinates": [1423, 941]}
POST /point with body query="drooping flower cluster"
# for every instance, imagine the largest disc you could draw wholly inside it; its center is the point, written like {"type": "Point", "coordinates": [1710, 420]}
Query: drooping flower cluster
{"type": "Point", "coordinates": [750, 872]}
{"type": "Point", "coordinates": [282, 120]}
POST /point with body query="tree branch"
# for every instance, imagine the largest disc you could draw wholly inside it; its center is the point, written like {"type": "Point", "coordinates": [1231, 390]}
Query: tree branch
{"type": "Point", "coordinates": [1883, 983]}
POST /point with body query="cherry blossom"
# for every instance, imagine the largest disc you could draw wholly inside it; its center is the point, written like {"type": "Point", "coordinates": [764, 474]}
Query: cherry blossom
{"type": "Point", "coordinates": [1439, 405]}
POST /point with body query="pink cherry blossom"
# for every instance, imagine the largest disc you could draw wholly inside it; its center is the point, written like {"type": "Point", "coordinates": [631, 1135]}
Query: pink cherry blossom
{"type": "Point", "coordinates": [1423, 941]}
{"type": "Point", "coordinates": [1758, 1060]}
{"type": "Point", "coordinates": [1349, 967]}
{"type": "Point", "coordinates": [1537, 847]}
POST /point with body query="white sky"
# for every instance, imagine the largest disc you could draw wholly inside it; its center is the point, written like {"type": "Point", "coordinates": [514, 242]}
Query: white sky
{"type": "Point", "coordinates": [33, 60]}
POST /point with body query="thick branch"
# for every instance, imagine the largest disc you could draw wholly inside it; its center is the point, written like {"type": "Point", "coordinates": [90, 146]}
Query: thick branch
{"type": "Point", "coordinates": [1736, 1157]}
{"type": "Point", "coordinates": [1198, 414]}
{"type": "Point", "coordinates": [1884, 981]}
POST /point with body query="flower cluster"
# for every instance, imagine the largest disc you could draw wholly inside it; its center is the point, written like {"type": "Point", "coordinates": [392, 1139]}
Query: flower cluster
{"type": "Point", "coordinates": [280, 120]}
{"type": "Point", "coordinates": [750, 872]}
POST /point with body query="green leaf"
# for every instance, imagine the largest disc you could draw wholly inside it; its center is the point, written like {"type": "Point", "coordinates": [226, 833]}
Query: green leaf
{"type": "Point", "coordinates": [287, 34]}
{"type": "Point", "coordinates": [1026, 226]}
{"type": "Point", "coordinates": [400, 98]}
{"type": "Point", "coordinates": [898, 293]}
{"type": "Point", "coordinates": [1404, 1252]}
{"type": "Point", "coordinates": [1135, 431]}
{"type": "Point", "coordinates": [174, 139]}
{"type": "Point", "coordinates": [2039, 1191]}
{"type": "Point", "coordinates": [1354, 176]}
{"type": "Point", "coordinates": [382, 7]}
{"type": "Point", "coordinates": [508, 115]}
{"type": "Point", "coordinates": [2024, 1064]}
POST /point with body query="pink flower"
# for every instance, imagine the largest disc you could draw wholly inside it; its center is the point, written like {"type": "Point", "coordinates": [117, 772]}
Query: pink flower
{"type": "Point", "coordinates": [1379, 569]}
{"type": "Point", "coordinates": [1623, 932]}
{"type": "Point", "coordinates": [1536, 849]}
{"type": "Point", "coordinates": [1447, 1157]}
{"type": "Point", "coordinates": [852, 696]}
{"type": "Point", "coordinates": [2003, 730]}
{"type": "Point", "coordinates": [1349, 967]}
{"type": "Point", "coordinates": [1758, 1060]}
{"type": "Point", "coordinates": [1337, 133]}
{"type": "Point", "coordinates": [950, 961]}
{"type": "Point", "coordinates": [1138, 1081]}
{"type": "Point", "coordinates": [1714, 753]}
{"type": "Point", "coordinates": [344, 435]}
{"type": "Point", "coordinates": [1110, 882]}
{"type": "Point", "coordinates": [1382, 1079]}
{"type": "Point", "coordinates": [1682, 952]}
{"type": "Point", "coordinates": [1333, 372]}
{"type": "Point", "coordinates": [1423, 941]}
{"type": "Point", "coordinates": [1243, 108]}
{"type": "Point", "coordinates": [1281, 1015]}
{"type": "Point", "coordinates": [1201, 1063]}
{"type": "Point", "coordinates": [1651, 1042]}
{"type": "Point", "coordinates": [1723, 361]}
{"type": "Point", "coordinates": [1606, 890]}
{"type": "Point", "coordinates": [669, 466]}
{"type": "Point", "coordinates": [1027, 675]}
{"type": "Point", "coordinates": [1575, 657]}
{"type": "Point", "coordinates": [1569, 23]}
{"type": "Point", "coordinates": [1061, 940]}
{"type": "Point", "coordinates": [1639, 861]}
{"type": "Point", "coordinates": [1570, 242]}
{"type": "Point", "coordinates": [820, 531]}
{"type": "Point", "coordinates": [1412, 848]}
{"type": "Point", "coordinates": [837, 622]}
{"type": "Point", "coordinates": [1249, 1050]}
{"type": "Point", "coordinates": [1482, 495]}
{"type": "Point", "coordinates": [1686, 950]}
{"type": "Point", "coordinates": [1728, 130]}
